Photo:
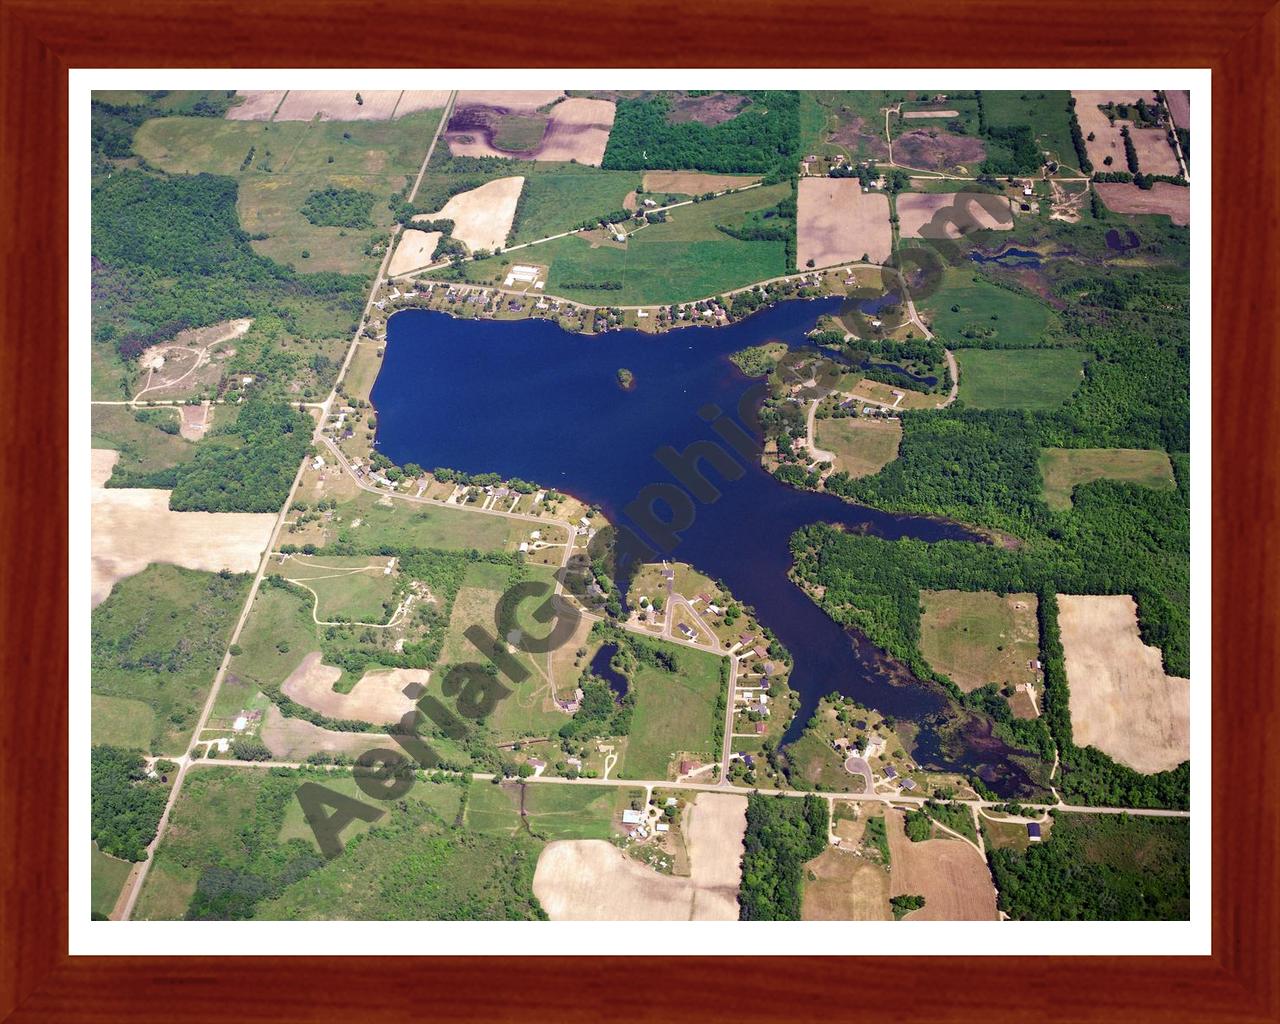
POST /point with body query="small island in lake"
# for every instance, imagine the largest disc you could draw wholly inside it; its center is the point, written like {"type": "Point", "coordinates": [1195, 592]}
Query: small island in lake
{"type": "Point", "coordinates": [626, 379]}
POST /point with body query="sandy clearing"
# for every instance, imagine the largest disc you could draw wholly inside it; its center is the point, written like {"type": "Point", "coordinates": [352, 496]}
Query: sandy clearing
{"type": "Point", "coordinates": [592, 880]}
{"type": "Point", "coordinates": [837, 222]}
{"type": "Point", "coordinates": [482, 217]}
{"type": "Point", "coordinates": [1179, 101]}
{"type": "Point", "coordinates": [292, 739]}
{"type": "Point", "coordinates": [916, 115]}
{"type": "Point", "coordinates": [694, 183]}
{"type": "Point", "coordinates": [1155, 155]}
{"type": "Point", "coordinates": [258, 105]}
{"type": "Point", "coordinates": [338, 105]}
{"type": "Point", "coordinates": [518, 101]}
{"type": "Point", "coordinates": [413, 100]}
{"type": "Point", "coordinates": [414, 251]}
{"type": "Point", "coordinates": [377, 698]}
{"type": "Point", "coordinates": [1121, 700]}
{"type": "Point", "coordinates": [1174, 201]}
{"type": "Point", "coordinates": [965, 212]}
{"type": "Point", "coordinates": [949, 873]}
{"type": "Point", "coordinates": [846, 887]}
{"type": "Point", "coordinates": [133, 527]}
{"type": "Point", "coordinates": [195, 420]}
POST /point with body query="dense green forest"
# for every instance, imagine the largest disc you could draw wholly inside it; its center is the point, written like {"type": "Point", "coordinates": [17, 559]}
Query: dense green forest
{"type": "Point", "coordinates": [874, 585]}
{"type": "Point", "coordinates": [124, 804]}
{"type": "Point", "coordinates": [1103, 867]}
{"type": "Point", "coordinates": [763, 139]}
{"type": "Point", "coordinates": [169, 253]}
{"type": "Point", "coordinates": [339, 208]}
{"type": "Point", "coordinates": [252, 474]}
{"type": "Point", "coordinates": [782, 834]}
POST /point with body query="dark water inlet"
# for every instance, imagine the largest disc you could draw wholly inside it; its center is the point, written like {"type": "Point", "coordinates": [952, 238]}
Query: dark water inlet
{"type": "Point", "coordinates": [526, 399]}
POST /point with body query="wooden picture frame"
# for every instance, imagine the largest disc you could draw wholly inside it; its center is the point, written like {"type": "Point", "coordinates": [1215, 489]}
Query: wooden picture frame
{"type": "Point", "coordinates": [42, 39]}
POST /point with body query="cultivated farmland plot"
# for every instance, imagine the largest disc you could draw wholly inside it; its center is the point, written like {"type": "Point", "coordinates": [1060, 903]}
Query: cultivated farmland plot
{"type": "Point", "coordinates": [838, 223]}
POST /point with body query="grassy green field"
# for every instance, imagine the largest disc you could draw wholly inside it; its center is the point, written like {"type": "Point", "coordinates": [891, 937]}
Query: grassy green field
{"type": "Point", "coordinates": [143, 447]}
{"type": "Point", "coordinates": [1036, 379]}
{"type": "Point", "coordinates": [674, 713]}
{"type": "Point", "coordinates": [1064, 468]}
{"type": "Point", "coordinates": [290, 161]}
{"type": "Point", "coordinates": [824, 112]}
{"type": "Point", "coordinates": [1045, 111]}
{"type": "Point", "coordinates": [241, 832]}
{"type": "Point", "coordinates": [861, 445]}
{"type": "Point", "coordinates": [682, 259]}
{"type": "Point", "coordinates": [412, 525]}
{"type": "Point", "coordinates": [129, 723]}
{"type": "Point", "coordinates": [277, 635]}
{"type": "Point", "coordinates": [107, 879]}
{"type": "Point", "coordinates": [969, 306]}
{"type": "Point", "coordinates": [352, 588]}
{"type": "Point", "coordinates": [527, 710]}
{"type": "Point", "coordinates": [573, 812]}
{"type": "Point", "coordinates": [363, 370]}
{"type": "Point", "coordinates": [979, 638]}
{"type": "Point", "coordinates": [159, 639]}
{"type": "Point", "coordinates": [557, 200]}
{"type": "Point", "coordinates": [493, 809]}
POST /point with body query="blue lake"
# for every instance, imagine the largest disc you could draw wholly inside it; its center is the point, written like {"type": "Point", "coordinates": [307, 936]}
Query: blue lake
{"type": "Point", "coordinates": [526, 399]}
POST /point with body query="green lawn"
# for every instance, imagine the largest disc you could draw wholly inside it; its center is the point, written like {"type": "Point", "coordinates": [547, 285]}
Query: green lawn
{"type": "Point", "coordinates": [278, 634]}
{"type": "Point", "coordinates": [967, 306]}
{"type": "Point", "coordinates": [674, 713]}
{"type": "Point", "coordinates": [414, 525]}
{"type": "Point", "coordinates": [563, 198]}
{"type": "Point", "coordinates": [573, 811]}
{"type": "Point", "coordinates": [683, 259]}
{"type": "Point", "coordinates": [525, 710]}
{"type": "Point", "coordinates": [290, 161]}
{"type": "Point", "coordinates": [107, 879]}
{"type": "Point", "coordinates": [1036, 379]}
{"type": "Point", "coordinates": [158, 639]}
{"type": "Point", "coordinates": [1065, 468]}
{"type": "Point", "coordinates": [976, 638]}
{"type": "Point", "coordinates": [348, 588]}
{"type": "Point", "coordinates": [861, 445]}
{"type": "Point", "coordinates": [123, 722]}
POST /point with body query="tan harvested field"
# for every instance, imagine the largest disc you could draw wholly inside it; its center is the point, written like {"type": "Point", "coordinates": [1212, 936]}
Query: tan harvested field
{"type": "Point", "coordinates": [917, 115]}
{"type": "Point", "coordinates": [196, 420]}
{"type": "Point", "coordinates": [516, 100]}
{"type": "Point", "coordinates": [576, 128]}
{"type": "Point", "coordinates": [1121, 700]}
{"type": "Point", "coordinates": [414, 251]}
{"type": "Point", "coordinates": [949, 873]}
{"type": "Point", "coordinates": [694, 183]}
{"type": "Point", "coordinates": [413, 100]}
{"type": "Point", "coordinates": [378, 697]}
{"type": "Point", "coordinates": [593, 880]}
{"type": "Point", "coordinates": [887, 395]}
{"type": "Point", "coordinates": [258, 105]}
{"type": "Point", "coordinates": [338, 105]}
{"type": "Point", "coordinates": [133, 527]}
{"type": "Point", "coordinates": [836, 222]}
{"type": "Point", "coordinates": [1155, 155]}
{"type": "Point", "coordinates": [966, 212]}
{"type": "Point", "coordinates": [482, 217]}
{"type": "Point", "coordinates": [1174, 201]}
{"type": "Point", "coordinates": [1179, 101]}
{"type": "Point", "coordinates": [292, 739]}
{"type": "Point", "coordinates": [847, 887]}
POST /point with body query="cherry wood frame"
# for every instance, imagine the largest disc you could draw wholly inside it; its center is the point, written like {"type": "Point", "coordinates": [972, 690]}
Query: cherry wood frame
{"type": "Point", "coordinates": [41, 39]}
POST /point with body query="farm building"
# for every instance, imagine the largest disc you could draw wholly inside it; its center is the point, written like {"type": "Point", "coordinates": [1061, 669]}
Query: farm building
{"type": "Point", "coordinates": [1033, 831]}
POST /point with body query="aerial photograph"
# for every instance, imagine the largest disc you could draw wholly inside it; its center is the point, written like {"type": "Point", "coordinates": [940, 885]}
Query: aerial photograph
{"type": "Point", "coordinates": [641, 505]}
